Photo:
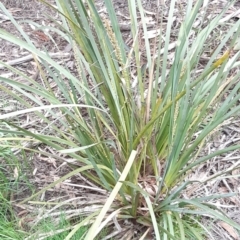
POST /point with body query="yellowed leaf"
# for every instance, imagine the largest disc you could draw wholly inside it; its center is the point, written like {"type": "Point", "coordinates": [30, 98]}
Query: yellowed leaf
{"type": "Point", "coordinates": [223, 190]}
{"type": "Point", "coordinates": [15, 174]}
{"type": "Point", "coordinates": [232, 232]}
{"type": "Point", "coordinates": [236, 172]}
{"type": "Point", "coordinates": [35, 171]}
{"type": "Point", "coordinates": [57, 186]}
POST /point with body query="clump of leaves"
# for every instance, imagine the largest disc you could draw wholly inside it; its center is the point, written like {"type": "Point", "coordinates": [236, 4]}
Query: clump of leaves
{"type": "Point", "coordinates": [139, 127]}
{"type": "Point", "coordinates": [9, 224]}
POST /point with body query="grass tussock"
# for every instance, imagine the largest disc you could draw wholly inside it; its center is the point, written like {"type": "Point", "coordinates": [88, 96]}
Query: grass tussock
{"type": "Point", "coordinates": [137, 129]}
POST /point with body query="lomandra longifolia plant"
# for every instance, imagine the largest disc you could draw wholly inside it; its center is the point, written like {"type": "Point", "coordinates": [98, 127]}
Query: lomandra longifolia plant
{"type": "Point", "coordinates": [136, 129]}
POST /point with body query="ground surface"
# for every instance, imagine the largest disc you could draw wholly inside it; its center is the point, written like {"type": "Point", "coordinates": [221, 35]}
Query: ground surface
{"type": "Point", "coordinates": [46, 170]}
